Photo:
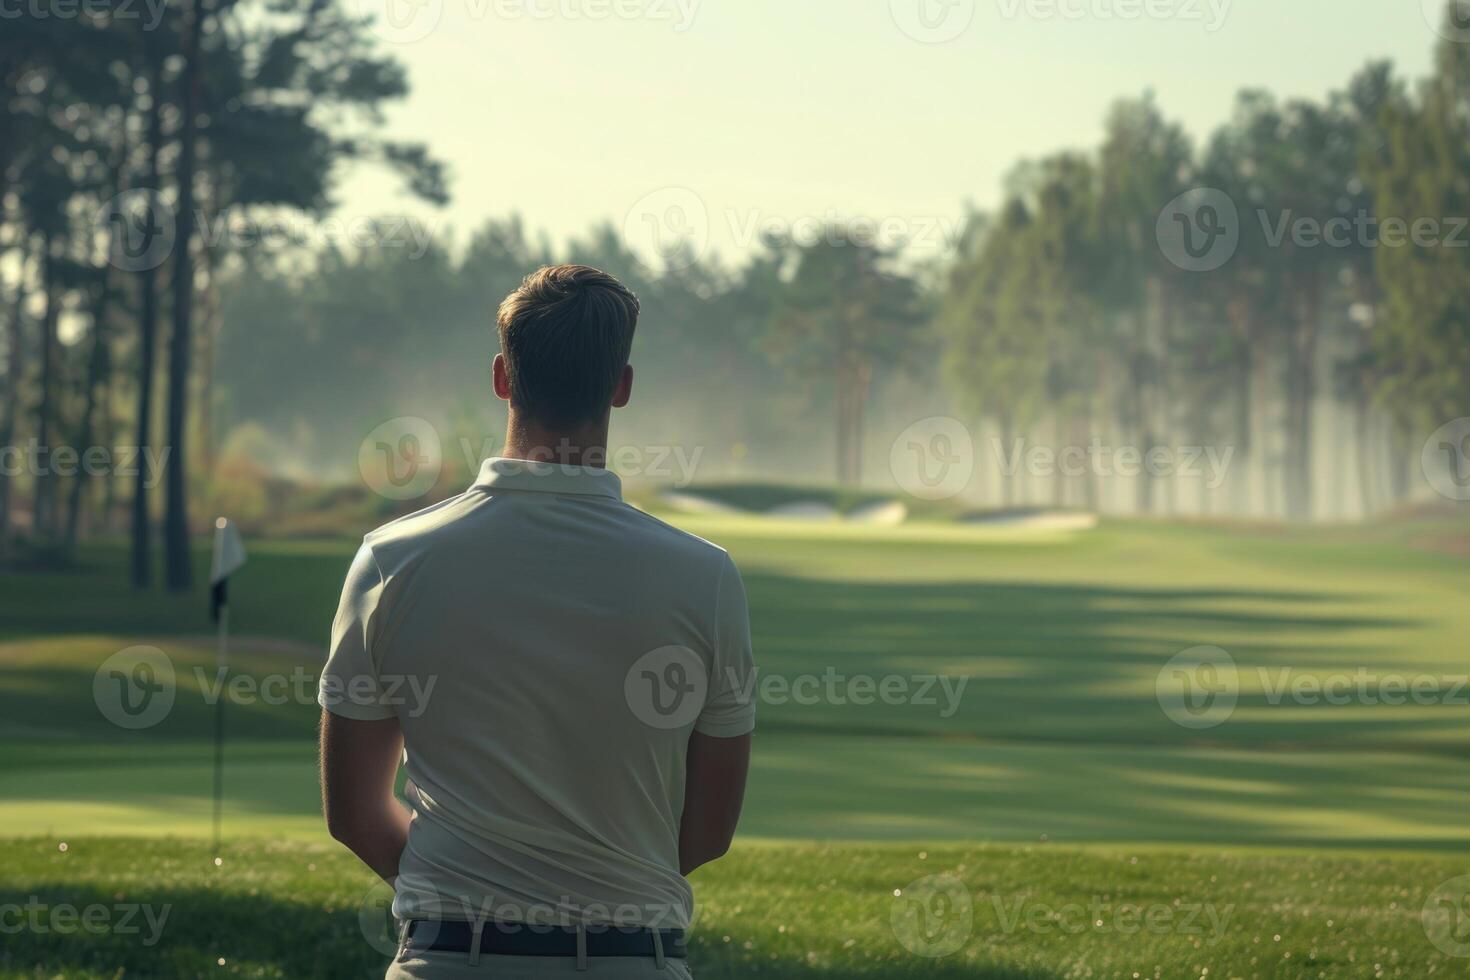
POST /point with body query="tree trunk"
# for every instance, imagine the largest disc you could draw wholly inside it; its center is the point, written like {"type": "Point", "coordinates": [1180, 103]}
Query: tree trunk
{"type": "Point", "coordinates": [1240, 485]}
{"type": "Point", "coordinates": [1399, 455]}
{"type": "Point", "coordinates": [96, 368]}
{"type": "Point", "coordinates": [1362, 440]}
{"type": "Point", "coordinates": [178, 574]}
{"type": "Point", "coordinates": [1089, 476]}
{"type": "Point", "coordinates": [1059, 476]}
{"type": "Point", "coordinates": [1144, 410]}
{"type": "Point", "coordinates": [1302, 364]}
{"type": "Point", "coordinates": [1007, 476]}
{"type": "Point", "coordinates": [14, 374]}
{"type": "Point", "coordinates": [142, 551]}
{"type": "Point", "coordinates": [43, 480]}
{"type": "Point", "coordinates": [864, 381]}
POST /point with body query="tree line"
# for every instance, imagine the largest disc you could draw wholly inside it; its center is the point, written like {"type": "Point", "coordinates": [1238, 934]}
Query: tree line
{"type": "Point", "coordinates": [1149, 287]}
{"type": "Point", "coordinates": [119, 127]}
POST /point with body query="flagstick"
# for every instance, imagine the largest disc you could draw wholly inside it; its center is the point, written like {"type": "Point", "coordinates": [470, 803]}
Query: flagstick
{"type": "Point", "coordinates": [229, 555]}
{"type": "Point", "coordinates": [219, 726]}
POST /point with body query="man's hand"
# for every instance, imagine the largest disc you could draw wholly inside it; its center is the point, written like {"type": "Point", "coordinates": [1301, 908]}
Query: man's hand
{"type": "Point", "coordinates": [714, 789]}
{"type": "Point", "coordinates": [359, 766]}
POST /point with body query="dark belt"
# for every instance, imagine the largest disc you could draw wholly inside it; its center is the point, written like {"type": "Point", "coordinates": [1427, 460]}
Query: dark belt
{"type": "Point", "coordinates": [519, 939]}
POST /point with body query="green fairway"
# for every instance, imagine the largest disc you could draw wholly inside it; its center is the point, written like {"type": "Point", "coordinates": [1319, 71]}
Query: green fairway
{"type": "Point", "coordinates": [1056, 733]}
{"type": "Point", "coordinates": [797, 911]}
{"type": "Point", "coordinates": [1055, 748]}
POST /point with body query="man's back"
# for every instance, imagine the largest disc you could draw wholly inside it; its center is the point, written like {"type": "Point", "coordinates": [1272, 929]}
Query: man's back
{"type": "Point", "coordinates": [547, 650]}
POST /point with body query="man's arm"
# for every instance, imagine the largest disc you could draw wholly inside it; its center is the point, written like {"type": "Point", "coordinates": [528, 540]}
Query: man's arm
{"type": "Point", "coordinates": [714, 789]}
{"type": "Point", "coordinates": [359, 766]}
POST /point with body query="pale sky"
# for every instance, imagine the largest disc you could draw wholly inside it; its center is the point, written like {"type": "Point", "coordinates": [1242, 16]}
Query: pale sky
{"type": "Point", "coordinates": [737, 114]}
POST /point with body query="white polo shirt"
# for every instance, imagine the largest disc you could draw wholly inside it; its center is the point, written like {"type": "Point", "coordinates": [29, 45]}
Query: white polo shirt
{"type": "Point", "coordinates": [547, 649]}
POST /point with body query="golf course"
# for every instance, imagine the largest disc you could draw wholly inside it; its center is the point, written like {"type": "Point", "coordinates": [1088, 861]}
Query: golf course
{"type": "Point", "coordinates": [967, 762]}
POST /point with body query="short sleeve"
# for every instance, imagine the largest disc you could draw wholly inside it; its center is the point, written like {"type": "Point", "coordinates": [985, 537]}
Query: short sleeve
{"type": "Point", "coordinates": [729, 709]}
{"type": "Point", "coordinates": [349, 684]}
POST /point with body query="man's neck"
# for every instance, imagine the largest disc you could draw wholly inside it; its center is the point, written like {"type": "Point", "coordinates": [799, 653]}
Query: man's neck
{"type": "Point", "coordinates": [584, 446]}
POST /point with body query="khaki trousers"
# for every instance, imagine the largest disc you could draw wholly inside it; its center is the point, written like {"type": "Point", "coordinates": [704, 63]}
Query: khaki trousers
{"type": "Point", "coordinates": [437, 965]}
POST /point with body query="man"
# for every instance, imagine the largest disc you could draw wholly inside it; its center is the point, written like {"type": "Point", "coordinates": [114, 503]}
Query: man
{"type": "Point", "coordinates": [566, 678]}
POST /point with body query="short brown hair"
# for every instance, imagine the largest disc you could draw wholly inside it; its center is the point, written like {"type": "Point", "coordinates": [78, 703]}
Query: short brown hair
{"type": "Point", "coordinates": [566, 333]}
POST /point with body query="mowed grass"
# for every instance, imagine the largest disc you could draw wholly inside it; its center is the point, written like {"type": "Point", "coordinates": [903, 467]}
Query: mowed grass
{"type": "Point", "coordinates": [161, 908]}
{"type": "Point", "coordinates": [1327, 825]}
{"type": "Point", "coordinates": [1024, 669]}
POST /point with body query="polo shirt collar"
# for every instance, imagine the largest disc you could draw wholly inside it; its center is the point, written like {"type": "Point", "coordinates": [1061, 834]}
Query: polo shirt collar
{"type": "Point", "coordinates": [500, 473]}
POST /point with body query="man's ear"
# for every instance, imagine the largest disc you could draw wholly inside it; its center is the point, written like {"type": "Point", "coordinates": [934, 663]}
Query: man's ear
{"type": "Point", "coordinates": [624, 390]}
{"type": "Point", "coordinates": [499, 379]}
